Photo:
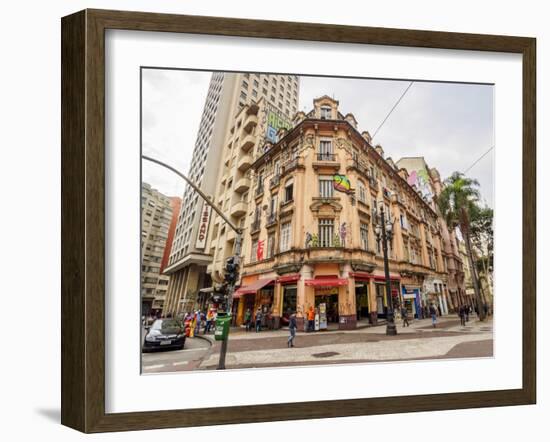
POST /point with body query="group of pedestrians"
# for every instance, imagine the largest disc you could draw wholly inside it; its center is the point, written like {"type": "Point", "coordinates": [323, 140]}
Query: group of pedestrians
{"type": "Point", "coordinates": [255, 322]}
{"type": "Point", "coordinates": [198, 320]}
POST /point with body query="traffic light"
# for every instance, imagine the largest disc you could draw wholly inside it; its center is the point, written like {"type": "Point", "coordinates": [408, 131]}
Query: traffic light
{"type": "Point", "coordinates": [231, 270]}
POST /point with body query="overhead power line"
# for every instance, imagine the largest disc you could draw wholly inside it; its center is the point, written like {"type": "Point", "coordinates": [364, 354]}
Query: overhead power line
{"type": "Point", "coordinates": [479, 159]}
{"type": "Point", "coordinates": [392, 109]}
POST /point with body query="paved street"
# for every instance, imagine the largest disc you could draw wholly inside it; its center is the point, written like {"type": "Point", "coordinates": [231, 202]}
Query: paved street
{"type": "Point", "coordinates": [268, 348]}
{"type": "Point", "coordinates": [195, 350]}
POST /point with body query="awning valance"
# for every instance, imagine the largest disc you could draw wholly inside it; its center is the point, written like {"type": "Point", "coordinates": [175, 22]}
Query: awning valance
{"type": "Point", "coordinates": [252, 288]}
{"type": "Point", "coordinates": [289, 278]}
{"type": "Point", "coordinates": [361, 276]}
{"type": "Point", "coordinates": [324, 281]}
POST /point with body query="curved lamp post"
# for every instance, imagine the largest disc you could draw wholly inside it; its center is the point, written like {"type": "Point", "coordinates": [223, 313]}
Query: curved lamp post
{"type": "Point", "coordinates": [384, 232]}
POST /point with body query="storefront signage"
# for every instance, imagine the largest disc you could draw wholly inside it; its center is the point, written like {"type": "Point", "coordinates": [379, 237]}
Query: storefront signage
{"type": "Point", "coordinates": [203, 226]}
{"type": "Point", "coordinates": [260, 250]}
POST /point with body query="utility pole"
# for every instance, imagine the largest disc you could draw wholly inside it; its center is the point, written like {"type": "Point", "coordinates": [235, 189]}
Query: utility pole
{"type": "Point", "coordinates": [238, 243]}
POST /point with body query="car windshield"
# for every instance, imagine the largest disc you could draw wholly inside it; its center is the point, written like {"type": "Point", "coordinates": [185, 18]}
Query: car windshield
{"type": "Point", "coordinates": [165, 323]}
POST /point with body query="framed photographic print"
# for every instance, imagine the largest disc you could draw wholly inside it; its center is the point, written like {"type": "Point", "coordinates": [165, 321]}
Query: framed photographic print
{"type": "Point", "coordinates": [266, 221]}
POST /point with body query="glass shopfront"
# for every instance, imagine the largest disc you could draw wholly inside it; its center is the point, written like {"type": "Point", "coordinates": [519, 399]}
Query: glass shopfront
{"type": "Point", "coordinates": [330, 300]}
{"type": "Point", "coordinates": [289, 302]}
{"type": "Point", "coordinates": [362, 300]}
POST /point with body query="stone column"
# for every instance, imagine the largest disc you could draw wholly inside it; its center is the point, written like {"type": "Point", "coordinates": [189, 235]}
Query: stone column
{"type": "Point", "coordinates": [373, 307]}
{"type": "Point", "coordinates": [277, 303]}
{"type": "Point", "coordinates": [346, 302]}
{"type": "Point", "coordinates": [301, 295]}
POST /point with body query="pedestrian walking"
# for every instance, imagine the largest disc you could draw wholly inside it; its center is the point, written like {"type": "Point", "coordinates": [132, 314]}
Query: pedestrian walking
{"type": "Point", "coordinates": [405, 316]}
{"type": "Point", "coordinates": [209, 318]}
{"type": "Point", "coordinates": [258, 320]}
{"type": "Point", "coordinates": [247, 319]}
{"type": "Point", "coordinates": [311, 319]}
{"type": "Point", "coordinates": [462, 314]}
{"type": "Point", "coordinates": [433, 314]}
{"type": "Point", "coordinates": [292, 330]}
{"type": "Point", "coordinates": [466, 313]}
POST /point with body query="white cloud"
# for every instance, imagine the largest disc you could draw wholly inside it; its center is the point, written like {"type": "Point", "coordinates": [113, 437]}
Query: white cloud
{"type": "Point", "coordinates": [450, 125]}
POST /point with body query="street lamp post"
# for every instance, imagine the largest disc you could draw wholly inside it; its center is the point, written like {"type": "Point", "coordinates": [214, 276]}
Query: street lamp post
{"type": "Point", "coordinates": [238, 243]}
{"type": "Point", "coordinates": [384, 231]}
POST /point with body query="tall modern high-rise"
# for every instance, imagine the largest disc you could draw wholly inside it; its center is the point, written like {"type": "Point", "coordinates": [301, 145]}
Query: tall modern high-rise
{"type": "Point", "coordinates": [228, 95]}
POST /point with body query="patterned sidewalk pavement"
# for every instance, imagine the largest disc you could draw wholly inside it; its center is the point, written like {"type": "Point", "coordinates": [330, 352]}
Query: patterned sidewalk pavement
{"type": "Point", "coordinates": [419, 341]}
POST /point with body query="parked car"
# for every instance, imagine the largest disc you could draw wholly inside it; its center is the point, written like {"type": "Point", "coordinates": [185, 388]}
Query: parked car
{"type": "Point", "coordinates": [165, 333]}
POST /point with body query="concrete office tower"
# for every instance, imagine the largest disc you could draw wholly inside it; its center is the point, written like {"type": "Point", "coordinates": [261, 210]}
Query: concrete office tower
{"type": "Point", "coordinates": [228, 95]}
{"type": "Point", "coordinates": [158, 214]}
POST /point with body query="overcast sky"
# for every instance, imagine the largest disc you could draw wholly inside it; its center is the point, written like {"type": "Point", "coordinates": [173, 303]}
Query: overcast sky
{"type": "Point", "coordinates": [450, 125]}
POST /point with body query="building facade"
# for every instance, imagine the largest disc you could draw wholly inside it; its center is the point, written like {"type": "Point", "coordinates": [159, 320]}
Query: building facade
{"type": "Point", "coordinates": [228, 136]}
{"type": "Point", "coordinates": [158, 219]}
{"type": "Point", "coordinates": [310, 228]}
{"type": "Point", "coordinates": [427, 181]}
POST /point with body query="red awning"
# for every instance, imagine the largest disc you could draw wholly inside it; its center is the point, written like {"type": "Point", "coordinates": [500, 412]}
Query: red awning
{"type": "Point", "coordinates": [361, 276]}
{"type": "Point", "coordinates": [252, 288]}
{"type": "Point", "coordinates": [289, 278]}
{"type": "Point", "coordinates": [324, 281]}
{"type": "Point", "coordinates": [383, 278]}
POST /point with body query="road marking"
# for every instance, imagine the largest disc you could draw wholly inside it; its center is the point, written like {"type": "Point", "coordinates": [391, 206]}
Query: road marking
{"type": "Point", "coordinates": [180, 363]}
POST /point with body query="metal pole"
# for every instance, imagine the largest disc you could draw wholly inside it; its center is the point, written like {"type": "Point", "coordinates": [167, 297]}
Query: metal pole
{"type": "Point", "coordinates": [196, 189]}
{"type": "Point", "coordinates": [230, 291]}
{"type": "Point", "coordinates": [390, 322]}
{"type": "Point", "coordinates": [238, 243]}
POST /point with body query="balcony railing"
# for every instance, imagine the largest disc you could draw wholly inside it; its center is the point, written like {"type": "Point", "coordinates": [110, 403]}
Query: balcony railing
{"type": "Point", "coordinates": [326, 157]}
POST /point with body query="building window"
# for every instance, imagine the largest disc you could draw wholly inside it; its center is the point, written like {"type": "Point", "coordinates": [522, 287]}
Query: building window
{"type": "Point", "coordinates": [289, 191]}
{"type": "Point", "coordinates": [326, 112]}
{"type": "Point", "coordinates": [285, 237]}
{"type": "Point", "coordinates": [326, 232]}
{"type": "Point", "coordinates": [364, 236]}
{"type": "Point", "coordinates": [254, 251]}
{"type": "Point", "coordinates": [325, 151]}
{"type": "Point", "coordinates": [325, 187]}
{"type": "Point", "coordinates": [270, 246]}
{"type": "Point", "coordinates": [403, 221]}
{"type": "Point", "coordinates": [362, 192]}
{"type": "Point", "coordinates": [245, 85]}
{"type": "Point", "coordinates": [243, 96]}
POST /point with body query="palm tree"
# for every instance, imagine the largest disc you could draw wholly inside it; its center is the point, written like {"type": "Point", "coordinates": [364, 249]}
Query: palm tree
{"type": "Point", "coordinates": [457, 202]}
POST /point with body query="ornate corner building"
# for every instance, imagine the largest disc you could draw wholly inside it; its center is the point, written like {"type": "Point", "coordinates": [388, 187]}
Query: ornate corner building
{"type": "Point", "coordinates": [307, 203]}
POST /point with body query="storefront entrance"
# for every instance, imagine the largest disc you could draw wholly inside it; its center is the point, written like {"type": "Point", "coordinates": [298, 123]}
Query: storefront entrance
{"type": "Point", "coordinates": [362, 300]}
{"type": "Point", "coordinates": [331, 303]}
{"type": "Point", "coordinates": [289, 303]}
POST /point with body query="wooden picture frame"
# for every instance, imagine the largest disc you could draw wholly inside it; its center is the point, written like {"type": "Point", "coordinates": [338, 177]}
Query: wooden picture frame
{"type": "Point", "coordinates": [83, 220]}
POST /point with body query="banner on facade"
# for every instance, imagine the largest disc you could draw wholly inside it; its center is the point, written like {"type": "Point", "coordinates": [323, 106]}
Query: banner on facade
{"type": "Point", "coordinates": [203, 226]}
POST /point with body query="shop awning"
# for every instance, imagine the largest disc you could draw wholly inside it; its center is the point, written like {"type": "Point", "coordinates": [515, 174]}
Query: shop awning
{"type": "Point", "coordinates": [289, 278]}
{"type": "Point", "coordinates": [383, 278]}
{"type": "Point", "coordinates": [330, 281]}
{"type": "Point", "coordinates": [361, 276]}
{"type": "Point", "coordinates": [252, 288]}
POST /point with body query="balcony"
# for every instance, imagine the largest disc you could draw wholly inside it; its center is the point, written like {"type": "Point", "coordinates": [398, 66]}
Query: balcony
{"type": "Point", "coordinates": [245, 162]}
{"type": "Point", "coordinates": [250, 123]}
{"type": "Point", "coordinates": [271, 219]}
{"type": "Point", "coordinates": [242, 185]}
{"type": "Point", "coordinates": [373, 183]}
{"type": "Point", "coordinates": [361, 167]}
{"type": "Point", "coordinates": [326, 157]}
{"type": "Point", "coordinates": [289, 166]}
{"type": "Point", "coordinates": [326, 160]}
{"type": "Point", "coordinates": [259, 190]}
{"type": "Point", "coordinates": [248, 143]}
{"type": "Point", "coordinates": [274, 181]}
{"type": "Point", "coordinates": [238, 209]}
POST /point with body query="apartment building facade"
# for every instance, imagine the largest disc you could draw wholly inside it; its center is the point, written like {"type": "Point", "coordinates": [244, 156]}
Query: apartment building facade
{"type": "Point", "coordinates": [232, 97]}
{"type": "Point", "coordinates": [158, 219]}
{"type": "Point", "coordinates": [310, 231]}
